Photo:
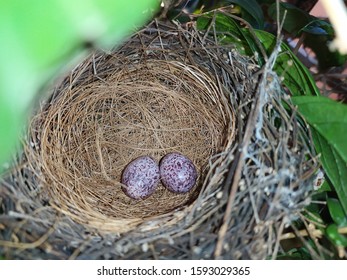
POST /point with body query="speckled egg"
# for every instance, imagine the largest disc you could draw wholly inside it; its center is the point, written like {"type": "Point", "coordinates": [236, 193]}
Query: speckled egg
{"type": "Point", "coordinates": [178, 173]}
{"type": "Point", "coordinates": [141, 177]}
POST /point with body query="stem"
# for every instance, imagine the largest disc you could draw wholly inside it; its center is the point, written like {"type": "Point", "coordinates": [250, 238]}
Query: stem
{"type": "Point", "coordinates": [316, 233]}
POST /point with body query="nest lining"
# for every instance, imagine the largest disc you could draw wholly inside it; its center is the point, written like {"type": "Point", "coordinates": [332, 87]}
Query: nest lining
{"type": "Point", "coordinates": [144, 107]}
{"type": "Point", "coordinates": [254, 175]}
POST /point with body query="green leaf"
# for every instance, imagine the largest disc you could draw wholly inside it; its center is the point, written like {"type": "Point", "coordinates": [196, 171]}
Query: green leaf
{"type": "Point", "coordinates": [336, 212]}
{"type": "Point", "coordinates": [319, 27]}
{"type": "Point", "coordinates": [251, 12]}
{"type": "Point", "coordinates": [230, 32]}
{"type": "Point", "coordinates": [40, 37]}
{"type": "Point", "coordinates": [296, 254]}
{"type": "Point", "coordinates": [294, 18]}
{"type": "Point", "coordinates": [315, 30]}
{"type": "Point", "coordinates": [296, 77]}
{"type": "Point", "coordinates": [328, 120]}
{"type": "Point", "coordinates": [335, 237]}
{"type": "Point", "coordinates": [334, 166]}
{"type": "Point", "coordinates": [328, 117]}
{"type": "Point", "coordinates": [320, 46]}
{"type": "Point", "coordinates": [318, 33]}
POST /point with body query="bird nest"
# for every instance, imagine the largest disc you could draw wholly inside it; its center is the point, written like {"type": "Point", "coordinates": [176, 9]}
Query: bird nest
{"type": "Point", "coordinates": [168, 88]}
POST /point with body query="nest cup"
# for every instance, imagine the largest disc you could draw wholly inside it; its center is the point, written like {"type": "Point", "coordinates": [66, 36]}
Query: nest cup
{"type": "Point", "coordinates": [137, 101]}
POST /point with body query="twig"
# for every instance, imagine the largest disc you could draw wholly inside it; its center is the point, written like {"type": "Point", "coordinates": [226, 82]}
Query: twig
{"type": "Point", "coordinates": [299, 44]}
{"type": "Point", "coordinates": [278, 239]}
{"type": "Point", "coordinates": [235, 177]}
{"type": "Point", "coordinates": [317, 233]}
{"type": "Point", "coordinates": [30, 245]}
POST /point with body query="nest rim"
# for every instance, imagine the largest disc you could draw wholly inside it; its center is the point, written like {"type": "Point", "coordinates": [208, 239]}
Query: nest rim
{"type": "Point", "coordinates": [183, 88]}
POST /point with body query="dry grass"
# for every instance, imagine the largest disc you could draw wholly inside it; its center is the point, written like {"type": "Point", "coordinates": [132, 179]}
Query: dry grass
{"type": "Point", "coordinates": [91, 132]}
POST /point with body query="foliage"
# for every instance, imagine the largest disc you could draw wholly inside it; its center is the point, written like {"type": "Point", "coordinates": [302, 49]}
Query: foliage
{"type": "Point", "coordinates": [327, 118]}
{"type": "Point", "coordinates": [316, 33]}
{"type": "Point", "coordinates": [300, 253]}
{"type": "Point", "coordinates": [262, 15]}
{"type": "Point", "coordinates": [40, 37]}
{"type": "Point", "coordinates": [296, 76]}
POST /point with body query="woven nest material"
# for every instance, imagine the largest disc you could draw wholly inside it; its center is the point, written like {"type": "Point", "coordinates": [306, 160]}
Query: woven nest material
{"type": "Point", "coordinates": [147, 106]}
{"type": "Point", "coordinates": [168, 88]}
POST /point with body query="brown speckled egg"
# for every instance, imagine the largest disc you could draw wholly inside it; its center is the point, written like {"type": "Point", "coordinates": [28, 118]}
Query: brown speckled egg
{"type": "Point", "coordinates": [178, 173]}
{"type": "Point", "coordinates": [140, 177]}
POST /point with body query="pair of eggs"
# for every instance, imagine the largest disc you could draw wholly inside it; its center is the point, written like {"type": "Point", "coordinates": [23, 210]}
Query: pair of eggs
{"type": "Point", "coordinates": [141, 176]}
